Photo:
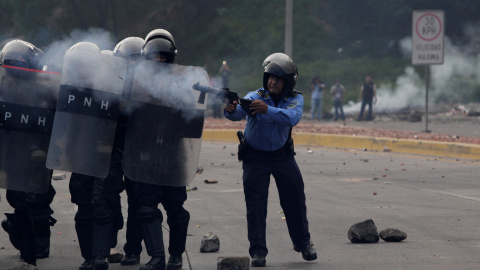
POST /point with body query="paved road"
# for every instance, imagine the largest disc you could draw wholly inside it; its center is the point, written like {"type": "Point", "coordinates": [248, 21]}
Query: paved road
{"type": "Point", "coordinates": [435, 201]}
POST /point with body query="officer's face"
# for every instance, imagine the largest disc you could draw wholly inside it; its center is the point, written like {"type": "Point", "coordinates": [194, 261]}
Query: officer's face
{"type": "Point", "coordinates": [275, 84]}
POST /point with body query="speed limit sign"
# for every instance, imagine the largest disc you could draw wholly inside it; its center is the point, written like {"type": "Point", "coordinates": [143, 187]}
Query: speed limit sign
{"type": "Point", "coordinates": [428, 29]}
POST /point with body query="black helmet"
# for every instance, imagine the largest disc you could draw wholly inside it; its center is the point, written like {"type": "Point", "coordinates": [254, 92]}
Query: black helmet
{"type": "Point", "coordinates": [160, 41]}
{"type": "Point", "coordinates": [279, 64]}
{"type": "Point", "coordinates": [23, 54]}
{"type": "Point", "coordinates": [85, 46]}
{"type": "Point", "coordinates": [131, 46]}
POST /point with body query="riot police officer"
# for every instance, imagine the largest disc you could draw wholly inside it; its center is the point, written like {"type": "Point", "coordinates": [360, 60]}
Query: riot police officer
{"type": "Point", "coordinates": [131, 49]}
{"type": "Point", "coordinates": [98, 218]}
{"type": "Point", "coordinates": [160, 46]}
{"type": "Point", "coordinates": [29, 226]}
{"type": "Point", "coordinates": [275, 110]}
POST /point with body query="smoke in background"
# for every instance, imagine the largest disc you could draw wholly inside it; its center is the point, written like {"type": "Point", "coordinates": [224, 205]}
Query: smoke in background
{"type": "Point", "coordinates": [456, 81]}
{"type": "Point", "coordinates": [55, 52]}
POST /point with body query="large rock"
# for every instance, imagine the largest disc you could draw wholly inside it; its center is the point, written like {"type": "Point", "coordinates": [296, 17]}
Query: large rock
{"type": "Point", "coordinates": [363, 232]}
{"type": "Point", "coordinates": [393, 235]}
{"type": "Point", "coordinates": [210, 243]}
{"type": "Point", "coordinates": [233, 263]}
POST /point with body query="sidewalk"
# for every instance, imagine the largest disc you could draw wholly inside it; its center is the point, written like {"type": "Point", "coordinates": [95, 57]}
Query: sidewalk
{"type": "Point", "coordinates": [422, 147]}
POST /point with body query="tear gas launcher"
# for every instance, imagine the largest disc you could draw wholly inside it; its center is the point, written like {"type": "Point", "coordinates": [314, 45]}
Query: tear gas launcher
{"type": "Point", "coordinates": [224, 94]}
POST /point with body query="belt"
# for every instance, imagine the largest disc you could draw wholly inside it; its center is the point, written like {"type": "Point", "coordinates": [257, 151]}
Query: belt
{"type": "Point", "coordinates": [274, 153]}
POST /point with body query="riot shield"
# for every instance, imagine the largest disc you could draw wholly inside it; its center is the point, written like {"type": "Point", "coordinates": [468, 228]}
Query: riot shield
{"type": "Point", "coordinates": [86, 113]}
{"type": "Point", "coordinates": [164, 129]}
{"type": "Point", "coordinates": [27, 108]}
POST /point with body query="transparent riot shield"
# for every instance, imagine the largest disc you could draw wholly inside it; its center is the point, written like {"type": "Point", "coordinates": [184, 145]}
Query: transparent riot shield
{"type": "Point", "coordinates": [86, 113]}
{"type": "Point", "coordinates": [27, 109]}
{"type": "Point", "coordinates": [164, 129]}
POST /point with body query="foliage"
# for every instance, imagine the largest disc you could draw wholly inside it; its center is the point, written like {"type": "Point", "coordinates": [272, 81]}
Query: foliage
{"type": "Point", "coordinates": [343, 39]}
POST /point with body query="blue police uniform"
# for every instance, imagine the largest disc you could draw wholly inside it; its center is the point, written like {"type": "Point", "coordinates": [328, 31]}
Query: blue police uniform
{"type": "Point", "coordinates": [268, 154]}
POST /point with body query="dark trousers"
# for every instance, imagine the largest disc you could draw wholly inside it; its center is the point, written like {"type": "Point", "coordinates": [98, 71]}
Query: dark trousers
{"type": "Point", "coordinates": [172, 199]}
{"type": "Point", "coordinates": [134, 236]}
{"type": "Point", "coordinates": [338, 107]}
{"type": "Point", "coordinates": [369, 115]}
{"type": "Point", "coordinates": [256, 181]}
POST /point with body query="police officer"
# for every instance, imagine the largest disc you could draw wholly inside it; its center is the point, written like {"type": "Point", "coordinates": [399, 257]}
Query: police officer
{"type": "Point", "coordinates": [129, 48]}
{"type": "Point", "coordinates": [160, 46]}
{"type": "Point", "coordinates": [29, 226]}
{"type": "Point", "coordinates": [98, 218]}
{"type": "Point", "coordinates": [275, 109]}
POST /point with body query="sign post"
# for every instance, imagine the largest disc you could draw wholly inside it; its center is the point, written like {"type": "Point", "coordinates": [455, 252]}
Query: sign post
{"type": "Point", "coordinates": [427, 43]}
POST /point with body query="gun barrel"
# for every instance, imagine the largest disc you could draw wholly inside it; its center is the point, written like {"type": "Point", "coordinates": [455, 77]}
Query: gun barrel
{"type": "Point", "coordinates": [208, 89]}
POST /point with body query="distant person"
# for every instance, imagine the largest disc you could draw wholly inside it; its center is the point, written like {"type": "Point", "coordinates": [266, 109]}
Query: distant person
{"type": "Point", "coordinates": [224, 72]}
{"type": "Point", "coordinates": [317, 90]}
{"type": "Point", "coordinates": [368, 94]}
{"type": "Point", "coordinates": [338, 93]}
{"type": "Point", "coordinates": [214, 102]}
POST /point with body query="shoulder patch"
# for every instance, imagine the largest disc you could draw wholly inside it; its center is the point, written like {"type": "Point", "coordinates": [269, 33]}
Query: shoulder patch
{"type": "Point", "coordinates": [292, 104]}
{"type": "Point", "coordinates": [261, 93]}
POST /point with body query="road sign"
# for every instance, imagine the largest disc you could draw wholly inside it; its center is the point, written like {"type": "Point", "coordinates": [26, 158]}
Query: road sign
{"type": "Point", "coordinates": [427, 37]}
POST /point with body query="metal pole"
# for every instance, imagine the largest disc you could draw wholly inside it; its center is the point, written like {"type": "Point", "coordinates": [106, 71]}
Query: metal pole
{"type": "Point", "coordinates": [427, 68]}
{"type": "Point", "coordinates": [288, 27]}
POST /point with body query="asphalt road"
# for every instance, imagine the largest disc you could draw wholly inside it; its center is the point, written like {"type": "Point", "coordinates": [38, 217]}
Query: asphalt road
{"type": "Point", "coordinates": [435, 201]}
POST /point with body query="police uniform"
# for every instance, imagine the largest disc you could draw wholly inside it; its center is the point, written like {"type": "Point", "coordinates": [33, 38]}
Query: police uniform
{"type": "Point", "coordinates": [268, 153]}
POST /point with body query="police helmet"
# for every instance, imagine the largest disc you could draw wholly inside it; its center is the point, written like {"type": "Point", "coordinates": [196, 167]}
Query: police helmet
{"type": "Point", "coordinates": [106, 52]}
{"type": "Point", "coordinates": [131, 46]}
{"type": "Point", "coordinates": [85, 46]}
{"type": "Point", "coordinates": [281, 65]}
{"type": "Point", "coordinates": [160, 41]}
{"type": "Point", "coordinates": [22, 54]}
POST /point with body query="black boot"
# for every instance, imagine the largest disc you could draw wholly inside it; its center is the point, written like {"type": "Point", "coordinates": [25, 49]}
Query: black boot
{"type": "Point", "coordinates": [156, 263]}
{"type": "Point", "coordinates": [86, 265]}
{"type": "Point", "coordinates": [174, 262]}
{"type": "Point", "coordinates": [42, 247]}
{"type": "Point", "coordinates": [308, 252]}
{"type": "Point", "coordinates": [7, 227]}
{"type": "Point", "coordinates": [130, 260]}
{"type": "Point", "coordinates": [100, 263]}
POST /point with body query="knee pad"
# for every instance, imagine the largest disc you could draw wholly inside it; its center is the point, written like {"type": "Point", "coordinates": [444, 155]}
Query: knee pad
{"type": "Point", "coordinates": [84, 214]}
{"type": "Point", "coordinates": [102, 214]}
{"type": "Point", "coordinates": [39, 213]}
{"type": "Point", "coordinates": [180, 217]}
{"type": "Point", "coordinates": [148, 213]}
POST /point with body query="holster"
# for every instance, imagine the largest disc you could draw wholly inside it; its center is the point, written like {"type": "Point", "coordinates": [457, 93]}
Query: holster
{"type": "Point", "coordinates": [242, 151]}
{"type": "Point", "coordinates": [242, 147]}
{"type": "Point", "coordinates": [289, 147]}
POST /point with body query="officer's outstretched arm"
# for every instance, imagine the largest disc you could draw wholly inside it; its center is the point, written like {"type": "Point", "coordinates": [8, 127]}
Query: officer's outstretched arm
{"type": "Point", "coordinates": [289, 116]}
{"type": "Point", "coordinates": [234, 112]}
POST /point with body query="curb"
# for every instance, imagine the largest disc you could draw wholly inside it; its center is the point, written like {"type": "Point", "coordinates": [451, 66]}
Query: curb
{"type": "Point", "coordinates": [420, 147]}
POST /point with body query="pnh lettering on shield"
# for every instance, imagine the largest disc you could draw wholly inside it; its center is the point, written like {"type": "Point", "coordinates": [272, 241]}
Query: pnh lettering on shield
{"type": "Point", "coordinates": [24, 119]}
{"type": "Point", "coordinates": [87, 102]}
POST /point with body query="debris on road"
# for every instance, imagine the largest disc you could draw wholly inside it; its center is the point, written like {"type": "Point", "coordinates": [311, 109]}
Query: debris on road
{"type": "Point", "coordinates": [210, 243]}
{"type": "Point", "coordinates": [363, 232]}
{"type": "Point", "coordinates": [208, 181]}
{"type": "Point", "coordinates": [199, 170]}
{"type": "Point", "coordinates": [393, 235]}
{"type": "Point", "coordinates": [238, 263]}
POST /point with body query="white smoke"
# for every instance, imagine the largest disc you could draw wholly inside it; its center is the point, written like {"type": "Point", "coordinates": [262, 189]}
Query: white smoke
{"type": "Point", "coordinates": [170, 85]}
{"type": "Point", "coordinates": [55, 51]}
{"type": "Point", "coordinates": [451, 82]}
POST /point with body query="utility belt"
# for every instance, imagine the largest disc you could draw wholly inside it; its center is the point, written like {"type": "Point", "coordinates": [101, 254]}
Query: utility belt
{"type": "Point", "coordinates": [244, 148]}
